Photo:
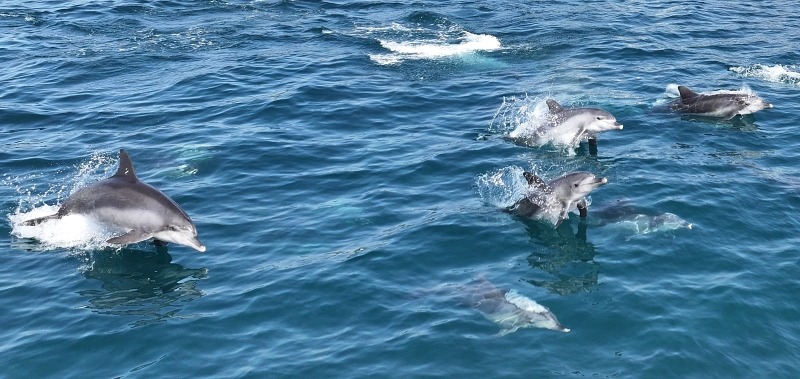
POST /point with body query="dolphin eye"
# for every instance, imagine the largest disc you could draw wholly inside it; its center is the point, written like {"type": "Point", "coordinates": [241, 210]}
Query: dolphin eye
{"type": "Point", "coordinates": [599, 118]}
{"type": "Point", "coordinates": [576, 185]}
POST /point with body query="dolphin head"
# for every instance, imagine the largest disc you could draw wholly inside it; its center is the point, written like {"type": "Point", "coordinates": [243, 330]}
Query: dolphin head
{"type": "Point", "coordinates": [670, 221]}
{"type": "Point", "coordinates": [546, 320]}
{"type": "Point", "coordinates": [533, 314]}
{"type": "Point", "coordinates": [600, 121]}
{"type": "Point", "coordinates": [752, 104]}
{"type": "Point", "coordinates": [575, 186]}
{"type": "Point", "coordinates": [181, 230]}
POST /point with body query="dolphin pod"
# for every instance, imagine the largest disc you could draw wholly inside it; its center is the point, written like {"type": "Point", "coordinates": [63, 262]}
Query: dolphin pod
{"type": "Point", "coordinates": [124, 202]}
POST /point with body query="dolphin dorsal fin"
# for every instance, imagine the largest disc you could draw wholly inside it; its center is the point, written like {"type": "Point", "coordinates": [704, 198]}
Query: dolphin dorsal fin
{"type": "Point", "coordinates": [125, 169]}
{"type": "Point", "coordinates": [686, 93]}
{"type": "Point", "coordinates": [554, 106]}
{"type": "Point", "coordinates": [534, 180]}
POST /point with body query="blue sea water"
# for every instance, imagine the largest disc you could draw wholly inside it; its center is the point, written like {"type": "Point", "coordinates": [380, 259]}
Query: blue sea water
{"type": "Point", "coordinates": [345, 162]}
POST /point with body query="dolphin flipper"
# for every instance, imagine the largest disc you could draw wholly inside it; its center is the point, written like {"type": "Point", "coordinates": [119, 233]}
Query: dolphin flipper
{"type": "Point", "coordinates": [128, 238]}
{"type": "Point", "coordinates": [583, 208]}
{"type": "Point", "coordinates": [37, 221]}
{"type": "Point", "coordinates": [507, 331]}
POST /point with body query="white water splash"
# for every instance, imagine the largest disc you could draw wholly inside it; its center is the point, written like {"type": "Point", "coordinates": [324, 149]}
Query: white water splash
{"type": "Point", "coordinates": [775, 74]}
{"type": "Point", "coordinates": [420, 43]}
{"type": "Point", "coordinates": [502, 188]}
{"type": "Point", "coordinates": [71, 232]}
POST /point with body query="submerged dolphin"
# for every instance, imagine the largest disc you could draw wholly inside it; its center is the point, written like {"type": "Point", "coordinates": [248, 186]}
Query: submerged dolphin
{"type": "Point", "coordinates": [509, 309]}
{"type": "Point", "coordinates": [723, 105]}
{"type": "Point", "coordinates": [569, 126]}
{"type": "Point", "coordinates": [644, 224]}
{"type": "Point", "coordinates": [124, 202]}
{"type": "Point", "coordinates": [624, 215]}
{"type": "Point", "coordinates": [554, 199]}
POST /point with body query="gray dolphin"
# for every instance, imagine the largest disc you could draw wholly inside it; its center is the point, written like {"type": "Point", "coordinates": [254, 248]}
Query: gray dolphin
{"type": "Point", "coordinates": [568, 126]}
{"type": "Point", "coordinates": [509, 309]}
{"type": "Point", "coordinates": [723, 105]}
{"type": "Point", "coordinates": [124, 202]}
{"type": "Point", "coordinates": [622, 213]}
{"type": "Point", "coordinates": [556, 198]}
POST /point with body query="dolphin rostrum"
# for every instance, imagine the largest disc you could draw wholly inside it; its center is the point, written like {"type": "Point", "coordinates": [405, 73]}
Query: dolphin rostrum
{"type": "Point", "coordinates": [724, 105]}
{"type": "Point", "coordinates": [554, 199]}
{"type": "Point", "coordinates": [509, 309]}
{"type": "Point", "coordinates": [124, 202]}
{"type": "Point", "coordinates": [568, 126]}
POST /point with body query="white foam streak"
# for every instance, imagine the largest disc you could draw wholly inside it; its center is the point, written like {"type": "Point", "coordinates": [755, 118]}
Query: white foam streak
{"type": "Point", "coordinates": [421, 49]}
{"type": "Point", "coordinates": [775, 74]}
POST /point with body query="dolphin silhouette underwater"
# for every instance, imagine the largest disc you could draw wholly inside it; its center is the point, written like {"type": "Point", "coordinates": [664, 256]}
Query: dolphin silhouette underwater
{"type": "Point", "coordinates": [124, 202]}
{"type": "Point", "coordinates": [725, 105]}
{"type": "Point", "coordinates": [554, 200]}
{"type": "Point", "coordinates": [509, 309]}
{"type": "Point", "coordinates": [567, 126]}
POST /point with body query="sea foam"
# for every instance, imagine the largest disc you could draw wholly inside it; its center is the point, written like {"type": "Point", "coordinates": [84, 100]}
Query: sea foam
{"type": "Point", "coordinates": [775, 74]}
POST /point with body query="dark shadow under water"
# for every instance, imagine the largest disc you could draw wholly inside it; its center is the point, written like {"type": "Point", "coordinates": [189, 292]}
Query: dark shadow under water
{"type": "Point", "coordinates": [142, 284]}
{"type": "Point", "coordinates": [564, 254]}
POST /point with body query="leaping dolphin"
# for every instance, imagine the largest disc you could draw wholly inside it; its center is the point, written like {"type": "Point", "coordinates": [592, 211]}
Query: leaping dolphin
{"type": "Point", "coordinates": [568, 126]}
{"type": "Point", "coordinates": [554, 199]}
{"type": "Point", "coordinates": [509, 309]}
{"type": "Point", "coordinates": [124, 202]}
{"type": "Point", "coordinates": [723, 105]}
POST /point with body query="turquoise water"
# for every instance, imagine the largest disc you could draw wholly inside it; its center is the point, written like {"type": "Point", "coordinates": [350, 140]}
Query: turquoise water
{"type": "Point", "coordinates": [345, 164]}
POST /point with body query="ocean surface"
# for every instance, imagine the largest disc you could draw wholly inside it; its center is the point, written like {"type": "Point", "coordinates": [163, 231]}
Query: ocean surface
{"type": "Point", "coordinates": [347, 165]}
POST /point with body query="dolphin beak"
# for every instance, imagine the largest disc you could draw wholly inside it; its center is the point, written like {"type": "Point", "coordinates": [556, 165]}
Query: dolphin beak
{"type": "Point", "coordinates": [618, 125]}
{"type": "Point", "coordinates": [196, 244]}
{"type": "Point", "coordinates": [603, 180]}
{"type": "Point", "coordinates": [769, 105]}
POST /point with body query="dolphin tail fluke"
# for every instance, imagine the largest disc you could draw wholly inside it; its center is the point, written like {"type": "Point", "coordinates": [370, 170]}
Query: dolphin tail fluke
{"type": "Point", "coordinates": [37, 221]}
{"type": "Point", "coordinates": [128, 238]}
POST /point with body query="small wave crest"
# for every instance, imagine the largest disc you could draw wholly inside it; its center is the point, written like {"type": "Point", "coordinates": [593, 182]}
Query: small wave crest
{"type": "Point", "coordinates": [775, 74]}
{"type": "Point", "coordinates": [427, 42]}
